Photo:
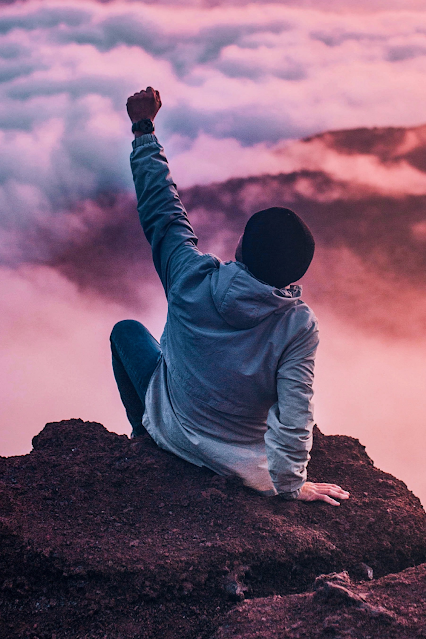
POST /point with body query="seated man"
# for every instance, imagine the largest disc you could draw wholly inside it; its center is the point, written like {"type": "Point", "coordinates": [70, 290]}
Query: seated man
{"type": "Point", "coordinates": [230, 386]}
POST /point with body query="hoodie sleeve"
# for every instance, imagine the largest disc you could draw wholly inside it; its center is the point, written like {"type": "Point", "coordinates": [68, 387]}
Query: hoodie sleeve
{"type": "Point", "coordinates": [290, 420]}
{"type": "Point", "coordinates": [161, 213]}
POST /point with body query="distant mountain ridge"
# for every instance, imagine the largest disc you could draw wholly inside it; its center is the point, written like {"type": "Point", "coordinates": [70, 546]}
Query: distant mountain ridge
{"type": "Point", "coordinates": [362, 191]}
{"type": "Point", "coordinates": [389, 144]}
{"type": "Point", "coordinates": [370, 264]}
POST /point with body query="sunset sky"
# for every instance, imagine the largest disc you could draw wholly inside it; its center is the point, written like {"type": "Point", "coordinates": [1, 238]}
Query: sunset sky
{"type": "Point", "coordinates": [241, 84]}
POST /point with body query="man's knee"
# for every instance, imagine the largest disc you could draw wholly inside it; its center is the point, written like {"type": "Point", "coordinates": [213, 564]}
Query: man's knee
{"type": "Point", "coordinates": [129, 331]}
{"type": "Point", "coordinates": [123, 329]}
{"type": "Point", "coordinates": [130, 336]}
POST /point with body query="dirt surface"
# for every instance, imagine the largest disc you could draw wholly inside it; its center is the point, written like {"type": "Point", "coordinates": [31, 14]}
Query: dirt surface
{"type": "Point", "coordinates": [106, 537]}
{"type": "Point", "coordinates": [391, 607]}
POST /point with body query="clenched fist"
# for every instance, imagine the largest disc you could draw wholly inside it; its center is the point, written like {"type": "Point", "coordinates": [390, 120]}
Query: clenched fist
{"type": "Point", "coordinates": [144, 105]}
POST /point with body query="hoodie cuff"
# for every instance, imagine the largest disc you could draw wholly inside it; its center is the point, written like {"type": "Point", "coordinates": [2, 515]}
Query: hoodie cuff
{"type": "Point", "coordinates": [144, 139]}
{"type": "Point", "coordinates": [290, 496]}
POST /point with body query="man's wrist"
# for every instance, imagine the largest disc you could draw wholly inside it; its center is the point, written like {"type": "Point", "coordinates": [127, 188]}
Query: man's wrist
{"type": "Point", "coordinates": [142, 126]}
{"type": "Point", "coordinates": [290, 496]}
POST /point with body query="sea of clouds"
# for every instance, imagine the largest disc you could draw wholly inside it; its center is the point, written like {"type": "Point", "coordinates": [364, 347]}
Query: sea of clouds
{"type": "Point", "coordinates": [241, 83]}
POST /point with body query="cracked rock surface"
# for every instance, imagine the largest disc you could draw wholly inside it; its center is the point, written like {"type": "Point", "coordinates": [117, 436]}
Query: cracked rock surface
{"type": "Point", "coordinates": [102, 536]}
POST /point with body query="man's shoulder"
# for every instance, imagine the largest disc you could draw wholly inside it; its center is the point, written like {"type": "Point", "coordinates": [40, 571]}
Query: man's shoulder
{"type": "Point", "coordinates": [302, 323]}
{"type": "Point", "coordinates": [191, 267]}
{"type": "Point", "coordinates": [307, 313]}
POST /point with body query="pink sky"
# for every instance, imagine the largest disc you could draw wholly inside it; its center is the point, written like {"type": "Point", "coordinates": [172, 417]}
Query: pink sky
{"type": "Point", "coordinates": [241, 83]}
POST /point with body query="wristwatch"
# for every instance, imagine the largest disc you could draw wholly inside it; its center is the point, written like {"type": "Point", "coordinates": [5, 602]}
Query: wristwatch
{"type": "Point", "coordinates": [144, 126]}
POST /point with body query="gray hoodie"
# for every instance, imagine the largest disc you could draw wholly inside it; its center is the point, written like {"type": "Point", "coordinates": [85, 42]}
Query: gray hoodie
{"type": "Point", "coordinates": [233, 388]}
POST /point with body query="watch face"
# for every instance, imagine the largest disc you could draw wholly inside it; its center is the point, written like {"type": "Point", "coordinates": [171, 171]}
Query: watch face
{"type": "Point", "coordinates": [144, 126]}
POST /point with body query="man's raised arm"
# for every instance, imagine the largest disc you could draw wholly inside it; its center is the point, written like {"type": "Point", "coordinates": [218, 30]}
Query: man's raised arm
{"type": "Point", "coordinates": [162, 214]}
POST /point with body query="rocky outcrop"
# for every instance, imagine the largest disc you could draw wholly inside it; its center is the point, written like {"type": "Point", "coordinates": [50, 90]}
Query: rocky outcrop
{"type": "Point", "coordinates": [391, 607]}
{"type": "Point", "coordinates": [106, 536]}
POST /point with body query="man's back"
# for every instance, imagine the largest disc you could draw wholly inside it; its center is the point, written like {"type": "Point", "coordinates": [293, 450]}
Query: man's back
{"type": "Point", "coordinates": [231, 385]}
{"type": "Point", "coordinates": [235, 377]}
{"type": "Point", "coordinates": [227, 334]}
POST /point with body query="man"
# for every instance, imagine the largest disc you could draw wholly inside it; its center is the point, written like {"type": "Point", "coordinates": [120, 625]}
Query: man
{"type": "Point", "coordinates": [230, 387]}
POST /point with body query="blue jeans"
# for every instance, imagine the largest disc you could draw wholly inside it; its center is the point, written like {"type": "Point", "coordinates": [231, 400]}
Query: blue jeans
{"type": "Point", "coordinates": [135, 354]}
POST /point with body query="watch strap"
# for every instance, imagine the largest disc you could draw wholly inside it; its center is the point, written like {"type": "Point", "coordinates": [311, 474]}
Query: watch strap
{"type": "Point", "coordinates": [144, 126]}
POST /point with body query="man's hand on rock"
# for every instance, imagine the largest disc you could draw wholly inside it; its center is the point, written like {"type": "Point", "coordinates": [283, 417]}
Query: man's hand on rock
{"type": "Point", "coordinates": [144, 105]}
{"type": "Point", "coordinates": [322, 492]}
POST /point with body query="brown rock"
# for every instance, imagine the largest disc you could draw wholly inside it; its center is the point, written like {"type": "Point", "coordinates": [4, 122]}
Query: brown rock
{"type": "Point", "coordinates": [77, 505]}
{"type": "Point", "coordinates": [393, 607]}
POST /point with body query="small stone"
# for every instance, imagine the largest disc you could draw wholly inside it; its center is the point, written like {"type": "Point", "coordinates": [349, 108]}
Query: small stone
{"type": "Point", "coordinates": [341, 578]}
{"type": "Point", "coordinates": [333, 589]}
{"type": "Point", "coordinates": [366, 571]}
{"type": "Point", "coordinates": [334, 593]}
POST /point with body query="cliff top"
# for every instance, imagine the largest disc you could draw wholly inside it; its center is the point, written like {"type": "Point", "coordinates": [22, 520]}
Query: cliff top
{"type": "Point", "coordinates": [106, 536]}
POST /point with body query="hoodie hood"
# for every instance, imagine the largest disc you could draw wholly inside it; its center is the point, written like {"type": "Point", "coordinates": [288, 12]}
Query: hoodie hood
{"type": "Point", "coordinates": [244, 301]}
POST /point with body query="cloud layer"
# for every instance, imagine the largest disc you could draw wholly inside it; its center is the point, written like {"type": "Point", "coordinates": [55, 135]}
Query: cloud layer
{"type": "Point", "coordinates": [241, 83]}
{"type": "Point", "coordinates": [238, 85]}
{"type": "Point", "coordinates": [237, 82]}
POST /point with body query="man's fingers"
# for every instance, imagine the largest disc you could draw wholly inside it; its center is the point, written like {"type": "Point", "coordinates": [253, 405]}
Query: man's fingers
{"type": "Point", "coordinates": [332, 493]}
{"type": "Point", "coordinates": [329, 493]}
{"type": "Point", "coordinates": [323, 485]}
{"type": "Point", "coordinates": [332, 489]}
{"type": "Point", "coordinates": [148, 91]}
{"type": "Point", "coordinates": [324, 495]}
{"type": "Point", "coordinates": [335, 486]}
{"type": "Point", "coordinates": [337, 494]}
{"type": "Point", "coordinates": [328, 499]}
